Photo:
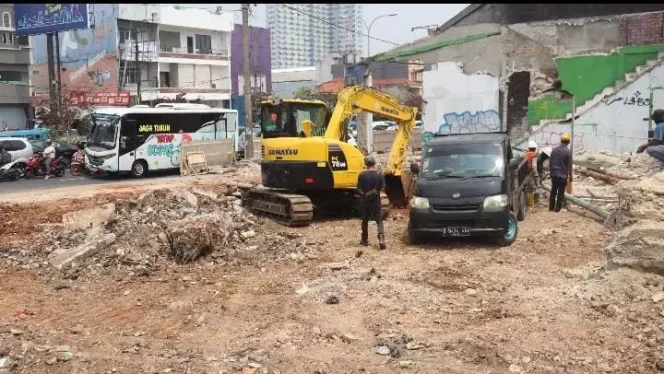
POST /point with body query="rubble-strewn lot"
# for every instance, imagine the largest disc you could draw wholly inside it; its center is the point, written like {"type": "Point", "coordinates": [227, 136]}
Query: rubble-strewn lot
{"type": "Point", "coordinates": [185, 281]}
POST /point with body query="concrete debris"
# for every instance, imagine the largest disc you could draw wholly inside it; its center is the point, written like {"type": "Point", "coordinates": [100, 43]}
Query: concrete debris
{"type": "Point", "coordinates": [640, 247]}
{"type": "Point", "coordinates": [88, 218]}
{"type": "Point", "coordinates": [180, 225]}
{"type": "Point", "coordinates": [629, 186]}
{"type": "Point", "coordinates": [198, 235]}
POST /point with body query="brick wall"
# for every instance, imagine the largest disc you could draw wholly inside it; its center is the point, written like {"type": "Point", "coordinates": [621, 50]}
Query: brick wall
{"type": "Point", "coordinates": [643, 29]}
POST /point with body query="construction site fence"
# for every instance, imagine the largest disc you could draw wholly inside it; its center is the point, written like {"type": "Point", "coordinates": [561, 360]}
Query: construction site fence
{"type": "Point", "coordinates": [202, 156]}
{"type": "Point", "coordinates": [382, 141]}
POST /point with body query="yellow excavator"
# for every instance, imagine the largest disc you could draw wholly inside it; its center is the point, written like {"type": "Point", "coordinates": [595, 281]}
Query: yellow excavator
{"type": "Point", "coordinates": [307, 163]}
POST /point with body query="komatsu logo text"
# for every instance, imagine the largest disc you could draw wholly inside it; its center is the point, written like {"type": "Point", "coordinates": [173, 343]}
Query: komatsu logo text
{"type": "Point", "coordinates": [390, 110]}
{"type": "Point", "coordinates": [283, 152]}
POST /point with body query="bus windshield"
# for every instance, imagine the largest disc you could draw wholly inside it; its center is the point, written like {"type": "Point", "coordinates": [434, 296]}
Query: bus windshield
{"type": "Point", "coordinates": [103, 131]}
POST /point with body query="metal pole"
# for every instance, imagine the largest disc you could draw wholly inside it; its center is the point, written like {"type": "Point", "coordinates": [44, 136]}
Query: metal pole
{"type": "Point", "coordinates": [51, 72]}
{"type": "Point", "coordinates": [571, 144]}
{"type": "Point", "coordinates": [248, 121]}
{"type": "Point", "coordinates": [59, 69]}
{"type": "Point", "coordinates": [138, 72]}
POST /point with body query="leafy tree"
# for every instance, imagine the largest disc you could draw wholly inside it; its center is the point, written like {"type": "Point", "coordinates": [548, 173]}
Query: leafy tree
{"type": "Point", "coordinates": [64, 117]}
{"type": "Point", "coordinates": [256, 98]}
{"type": "Point", "coordinates": [306, 93]}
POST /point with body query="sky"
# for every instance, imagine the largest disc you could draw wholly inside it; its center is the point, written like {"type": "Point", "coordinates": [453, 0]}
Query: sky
{"type": "Point", "coordinates": [396, 29]}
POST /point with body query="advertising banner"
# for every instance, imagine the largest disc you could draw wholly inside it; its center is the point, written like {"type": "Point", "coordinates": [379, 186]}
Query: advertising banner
{"type": "Point", "coordinates": [33, 19]}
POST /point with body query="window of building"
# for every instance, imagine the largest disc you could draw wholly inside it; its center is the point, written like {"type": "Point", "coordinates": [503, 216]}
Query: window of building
{"type": "Point", "coordinates": [6, 20]}
{"type": "Point", "coordinates": [126, 35]}
{"type": "Point", "coordinates": [7, 38]}
{"type": "Point", "coordinates": [131, 75]}
{"type": "Point", "coordinates": [204, 43]}
{"type": "Point", "coordinates": [14, 76]}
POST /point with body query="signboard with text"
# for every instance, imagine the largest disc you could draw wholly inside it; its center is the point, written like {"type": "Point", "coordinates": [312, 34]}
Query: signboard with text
{"type": "Point", "coordinates": [102, 98]}
{"type": "Point", "coordinates": [34, 19]}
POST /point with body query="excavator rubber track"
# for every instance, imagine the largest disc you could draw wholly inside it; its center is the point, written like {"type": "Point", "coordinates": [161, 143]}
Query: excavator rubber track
{"type": "Point", "coordinates": [286, 208]}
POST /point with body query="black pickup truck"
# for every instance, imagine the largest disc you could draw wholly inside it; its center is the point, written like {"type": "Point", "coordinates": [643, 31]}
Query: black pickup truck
{"type": "Point", "coordinates": [468, 185]}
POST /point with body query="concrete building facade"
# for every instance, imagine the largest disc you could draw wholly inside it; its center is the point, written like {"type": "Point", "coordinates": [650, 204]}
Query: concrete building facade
{"type": "Point", "coordinates": [14, 72]}
{"type": "Point", "coordinates": [303, 34]}
{"type": "Point", "coordinates": [174, 52]}
{"type": "Point", "coordinates": [260, 60]}
{"type": "Point", "coordinates": [529, 65]}
{"type": "Point", "coordinates": [285, 82]}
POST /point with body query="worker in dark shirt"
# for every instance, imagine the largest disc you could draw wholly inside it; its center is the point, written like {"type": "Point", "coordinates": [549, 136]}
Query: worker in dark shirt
{"type": "Point", "coordinates": [560, 165]}
{"type": "Point", "coordinates": [369, 184]}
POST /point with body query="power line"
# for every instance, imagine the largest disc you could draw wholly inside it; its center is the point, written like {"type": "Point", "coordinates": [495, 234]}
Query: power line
{"type": "Point", "coordinates": [338, 26]}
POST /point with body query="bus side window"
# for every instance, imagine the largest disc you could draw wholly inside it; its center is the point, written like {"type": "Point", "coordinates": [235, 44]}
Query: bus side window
{"type": "Point", "coordinates": [128, 137]}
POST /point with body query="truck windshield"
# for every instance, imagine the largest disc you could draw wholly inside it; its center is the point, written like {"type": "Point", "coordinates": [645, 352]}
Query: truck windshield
{"type": "Point", "coordinates": [464, 161]}
{"type": "Point", "coordinates": [103, 130]}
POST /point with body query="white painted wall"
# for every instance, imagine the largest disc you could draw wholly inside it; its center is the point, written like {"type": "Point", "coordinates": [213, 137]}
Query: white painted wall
{"type": "Point", "coordinates": [139, 12]}
{"type": "Point", "coordinates": [616, 124]}
{"type": "Point", "coordinates": [201, 76]}
{"type": "Point", "coordinates": [196, 18]}
{"type": "Point", "coordinates": [459, 103]}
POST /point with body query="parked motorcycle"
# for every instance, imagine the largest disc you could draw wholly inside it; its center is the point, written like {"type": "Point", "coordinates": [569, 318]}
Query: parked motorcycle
{"type": "Point", "coordinates": [77, 166]}
{"type": "Point", "coordinates": [11, 171]}
{"type": "Point", "coordinates": [35, 166]}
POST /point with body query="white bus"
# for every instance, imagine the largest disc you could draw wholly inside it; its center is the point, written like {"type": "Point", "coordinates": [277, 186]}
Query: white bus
{"type": "Point", "coordinates": [138, 140]}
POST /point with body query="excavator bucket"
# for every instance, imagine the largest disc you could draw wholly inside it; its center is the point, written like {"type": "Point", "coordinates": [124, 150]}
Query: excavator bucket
{"type": "Point", "coordinates": [399, 189]}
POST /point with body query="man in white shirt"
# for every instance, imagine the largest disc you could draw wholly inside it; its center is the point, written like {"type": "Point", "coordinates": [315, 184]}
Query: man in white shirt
{"type": "Point", "coordinates": [49, 155]}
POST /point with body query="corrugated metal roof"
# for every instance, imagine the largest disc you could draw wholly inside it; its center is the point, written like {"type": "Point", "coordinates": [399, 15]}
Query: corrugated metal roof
{"type": "Point", "coordinates": [294, 75]}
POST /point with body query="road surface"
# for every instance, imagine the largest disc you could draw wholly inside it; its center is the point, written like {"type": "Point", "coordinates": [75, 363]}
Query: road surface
{"type": "Point", "coordinates": [39, 183]}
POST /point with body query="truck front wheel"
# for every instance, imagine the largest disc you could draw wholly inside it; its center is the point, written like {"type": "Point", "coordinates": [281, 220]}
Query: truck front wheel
{"type": "Point", "coordinates": [511, 233]}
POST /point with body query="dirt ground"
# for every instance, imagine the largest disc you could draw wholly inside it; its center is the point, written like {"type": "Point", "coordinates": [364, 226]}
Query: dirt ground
{"type": "Point", "coordinates": [544, 305]}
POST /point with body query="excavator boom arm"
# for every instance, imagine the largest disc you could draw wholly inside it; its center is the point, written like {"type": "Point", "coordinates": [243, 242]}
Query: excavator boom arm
{"type": "Point", "coordinates": [352, 100]}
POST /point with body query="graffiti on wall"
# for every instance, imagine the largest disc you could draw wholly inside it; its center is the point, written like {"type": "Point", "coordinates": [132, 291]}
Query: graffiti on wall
{"type": "Point", "coordinates": [467, 122]}
{"type": "Point", "coordinates": [550, 138]}
{"type": "Point", "coordinates": [635, 99]}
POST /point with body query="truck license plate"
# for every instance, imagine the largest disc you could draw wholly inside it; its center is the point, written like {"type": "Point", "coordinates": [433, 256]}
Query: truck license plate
{"type": "Point", "coordinates": [456, 231]}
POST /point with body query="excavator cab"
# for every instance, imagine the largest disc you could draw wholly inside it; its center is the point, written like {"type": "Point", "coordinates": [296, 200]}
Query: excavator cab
{"type": "Point", "coordinates": [294, 118]}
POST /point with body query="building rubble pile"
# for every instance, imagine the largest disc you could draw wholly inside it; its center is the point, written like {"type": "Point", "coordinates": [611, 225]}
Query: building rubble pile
{"type": "Point", "coordinates": [631, 186]}
{"type": "Point", "coordinates": [632, 183]}
{"type": "Point", "coordinates": [161, 227]}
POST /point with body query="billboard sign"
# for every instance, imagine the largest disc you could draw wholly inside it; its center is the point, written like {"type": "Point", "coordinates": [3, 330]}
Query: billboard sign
{"type": "Point", "coordinates": [33, 19]}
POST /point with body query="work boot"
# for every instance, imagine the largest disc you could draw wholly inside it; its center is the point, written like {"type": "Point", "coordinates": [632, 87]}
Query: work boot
{"type": "Point", "coordinates": [365, 239]}
{"type": "Point", "coordinates": [381, 241]}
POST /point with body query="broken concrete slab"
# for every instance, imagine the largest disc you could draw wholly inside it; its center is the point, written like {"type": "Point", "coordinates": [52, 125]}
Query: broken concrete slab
{"type": "Point", "coordinates": [87, 218]}
{"type": "Point", "coordinates": [654, 184]}
{"type": "Point", "coordinates": [640, 247]}
{"type": "Point", "coordinates": [64, 257]}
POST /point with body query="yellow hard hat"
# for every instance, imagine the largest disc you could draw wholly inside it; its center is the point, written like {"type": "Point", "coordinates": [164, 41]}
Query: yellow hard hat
{"type": "Point", "coordinates": [565, 137]}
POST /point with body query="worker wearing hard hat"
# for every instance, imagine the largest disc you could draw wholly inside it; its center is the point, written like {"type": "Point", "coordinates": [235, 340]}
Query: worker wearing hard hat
{"type": "Point", "coordinates": [655, 146]}
{"type": "Point", "coordinates": [561, 172]}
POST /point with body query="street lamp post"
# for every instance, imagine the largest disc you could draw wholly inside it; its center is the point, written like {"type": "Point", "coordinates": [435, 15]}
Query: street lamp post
{"type": "Point", "coordinates": [369, 29]}
{"type": "Point", "coordinates": [368, 117]}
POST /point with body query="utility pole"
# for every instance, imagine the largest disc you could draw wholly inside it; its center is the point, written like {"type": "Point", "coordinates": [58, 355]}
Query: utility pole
{"type": "Point", "coordinates": [51, 72]}
{"type": "Point", "coordinates": [248, 121]}
{"type": "Point", "coordinates": [59, 74]}
{"type": "Point", "coordinates": [138, 78]}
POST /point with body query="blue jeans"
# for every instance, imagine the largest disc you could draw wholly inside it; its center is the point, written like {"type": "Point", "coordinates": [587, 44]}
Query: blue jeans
{"type": "Point", "coordinates": [657, 152]}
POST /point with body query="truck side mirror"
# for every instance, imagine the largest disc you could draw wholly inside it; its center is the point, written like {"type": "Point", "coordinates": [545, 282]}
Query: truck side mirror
{"type": "Point", "coordinates": [414, 168]}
